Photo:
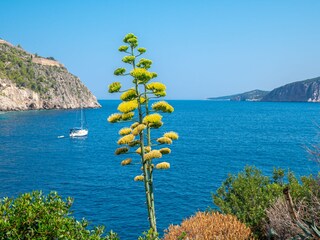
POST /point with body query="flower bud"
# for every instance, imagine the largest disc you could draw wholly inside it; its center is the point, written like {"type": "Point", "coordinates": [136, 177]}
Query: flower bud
{"type": "Point", "coordinates": [138, 178]}
{"type": "Point", "coordinates": [171, 135]}
{"type": "Point", "coordinates": [123, 48]}
{"type": "Point", "coordinates": [164, 140]}
{"type": "Point", "coordinates": [163, 165]}
{"type": "Point", "coordinates": [115, 117]}
{"type": "Point", "coordinates": [126, 162]}
{"type": "Point", "coordinates": [119, 71]}
{"type": "Point", "coordinates": [114, 87]}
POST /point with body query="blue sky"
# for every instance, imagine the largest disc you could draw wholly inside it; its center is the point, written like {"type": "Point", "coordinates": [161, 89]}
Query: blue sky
{"type": "Point", "coordinates": [200, 49]}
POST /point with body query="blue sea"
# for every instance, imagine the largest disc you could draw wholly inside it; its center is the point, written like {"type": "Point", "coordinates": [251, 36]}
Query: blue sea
{"type": "Point", "coordinates": [216, 138]}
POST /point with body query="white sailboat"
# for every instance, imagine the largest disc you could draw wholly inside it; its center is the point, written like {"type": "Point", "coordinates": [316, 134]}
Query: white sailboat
{"type": "Point", "coordinates": [81, 131]}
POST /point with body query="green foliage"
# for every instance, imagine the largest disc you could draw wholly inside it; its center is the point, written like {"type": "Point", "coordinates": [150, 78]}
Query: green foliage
{"type": "Point", "coordinates": [15, 66]}
{"type": "Point", "coordinates": [150, 235]}
{"type": "Point", "coordinates": [248, 194]}
{"type": "Point", "coordinates": [37, 216]}
{"type": "Point", "coordinates": [310, 230]}
{"type": "Point", "coordinates": [112, 236]}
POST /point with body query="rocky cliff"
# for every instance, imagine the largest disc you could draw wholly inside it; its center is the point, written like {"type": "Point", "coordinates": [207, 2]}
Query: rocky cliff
{"type": "Point", "coordinates": [302, 91]}
{"type": "Point", "coordinates": [254, 95]}
{"type": "Point", "coordinates": [28, 81]}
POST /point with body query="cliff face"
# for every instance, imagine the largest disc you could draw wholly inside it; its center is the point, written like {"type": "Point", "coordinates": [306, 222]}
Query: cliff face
{"type": "Point", "coordinates": [254, 95]}
{"type": "Point", "coordinates": [303, 91]}
{"type": "Point", "coordinates": [31, 82]}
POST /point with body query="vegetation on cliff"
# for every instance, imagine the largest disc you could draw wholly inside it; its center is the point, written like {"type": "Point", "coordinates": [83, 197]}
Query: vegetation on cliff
{"type": "Point", "coordinates": [28, 81]}
{"type": "Point", "coordinates": [17, 65]}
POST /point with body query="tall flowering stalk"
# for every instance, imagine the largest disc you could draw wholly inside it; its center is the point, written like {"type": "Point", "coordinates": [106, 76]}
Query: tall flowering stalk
{"type": "Point", "coordinates": [135, 107]}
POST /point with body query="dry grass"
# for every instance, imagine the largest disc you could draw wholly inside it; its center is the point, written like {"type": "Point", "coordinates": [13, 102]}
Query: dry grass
{"type": "Point", "coordinates": [281, 222]}
{"type": "Point", "coordinates": [209, 226]}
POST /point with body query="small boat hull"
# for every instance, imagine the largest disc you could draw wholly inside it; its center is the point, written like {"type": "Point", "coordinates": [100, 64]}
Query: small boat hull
{"type": "Point", "coordinates": [78, 133]}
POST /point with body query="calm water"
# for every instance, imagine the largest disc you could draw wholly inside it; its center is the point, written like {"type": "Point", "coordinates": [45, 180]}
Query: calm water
{"type": "Point", "coordinates": [216, 138]}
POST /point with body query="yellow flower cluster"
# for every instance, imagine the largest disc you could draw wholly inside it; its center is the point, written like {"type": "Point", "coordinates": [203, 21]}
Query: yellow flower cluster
{"type": "Point", "coordinates": [134, 143]}
{"type": "Point", "coordinates": [115, 117]}
{"type": "Point", "coordinates": [126, 162]}
{"type": "Point", "coordinates": [114, 87]}
{"type": "Point", "coordinates": [153, 154]}
{"type": "Point", "coordinates": [128, 95]}
{"type": "Point", "coordinates": [127, 116]}
{"type": "Point", "coordinates": [171, 135]}
{"type": "Point", "coordinates": [152, 118]}
{"type": "Point", "coordinates": [129, 36]}
{"type": "Point", "coordinates": [131, 39]}
{"type": "Point", "coordinates": [129, 106]}
{"type": "Point", "coordinates": [124, 131]}
{"type": "Point", "coordinates": [119, 71]}
{"type": "Point", "coordinates": [142, 100]}
{"type": "Point", "coordinates": [163, 165]}
{"type": "Point", "coordinates": [156, 87]}
{"type": "Point", "coordinates": [146, 149]}
{"type": "Point", "coordinates": [162, 106]}
{"type": "Point", "coordinates": [160, 94]}
{"type": "Point", "coordinates": [156, 125]}
{"type": "Point", "coordinates": [133, 125]}
{"type": "Point", "coordinates": [141, 74]}
{"type": "Point", "coordinates": [123, 48]}
{"type": "Point", "coordinates": [165, 150]}
{"type": "Point", "coordinates": [164, 140]}
{"type": "Point", "coordinates": [138, 129]}
{"type": "Point", "coordinates": [126, 139]}
{"type": "Point", "coordinates": [139, 178]}
{"type": "Point", "coordinates": [141, 50]}
{"type": "Point", "coordinates": [144, 63]}
{"type": "Point", "coordinates": [121, 150]}
{"type": "Point", "coordinates": [128, 59]}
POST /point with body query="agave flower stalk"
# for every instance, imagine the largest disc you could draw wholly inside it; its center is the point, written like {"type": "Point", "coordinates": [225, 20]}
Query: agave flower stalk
{"type": "Point", "coordinates": [136, 100]}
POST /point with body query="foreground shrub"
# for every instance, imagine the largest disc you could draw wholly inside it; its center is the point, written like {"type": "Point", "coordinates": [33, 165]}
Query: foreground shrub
{"type": "Point", "coordinates": [249, 194]}
{"type": "Point", "coordinates": [208, 226]}
{"type": "Point", "coordinates": [37, 216]}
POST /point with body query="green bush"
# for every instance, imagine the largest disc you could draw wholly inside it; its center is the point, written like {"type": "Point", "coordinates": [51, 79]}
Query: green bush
{"type": "Point", "coordinates": [37, 216]}
{"type": "Point", "coordinates": [248, 194]}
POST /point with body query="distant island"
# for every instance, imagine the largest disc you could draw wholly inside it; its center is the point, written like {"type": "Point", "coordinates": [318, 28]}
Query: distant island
{"type": "Point", "coordinates": [29, 82]}
{"type": "Point", "coordinates": [301, 91]}
{"type": "Point", "coordinates": [254, 95]}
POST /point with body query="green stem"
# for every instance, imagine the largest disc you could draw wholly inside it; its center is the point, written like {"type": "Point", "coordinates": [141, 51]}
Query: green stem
{"type": "Point", "coordinates": [150, 170]}
{"type": "Point", "coordinates": [145, 164]}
